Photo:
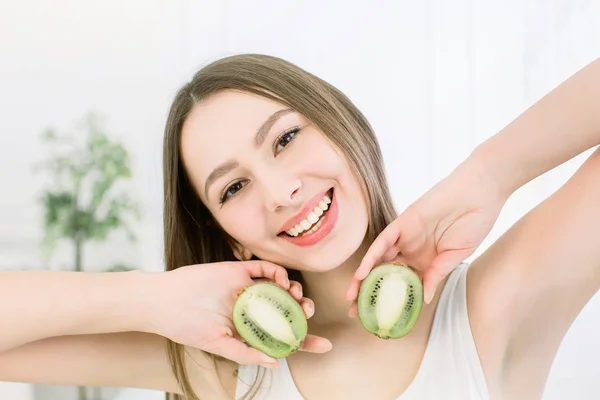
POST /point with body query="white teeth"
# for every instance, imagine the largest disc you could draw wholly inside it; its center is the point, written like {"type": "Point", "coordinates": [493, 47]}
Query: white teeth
{"type": "Point", "coordinates": [314, 228]}
{"type": "Point", "coordinates": [311, 218]}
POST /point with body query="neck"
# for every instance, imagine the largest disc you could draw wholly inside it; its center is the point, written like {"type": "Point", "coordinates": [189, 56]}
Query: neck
{"type": "Point", "coordinates": [328, 290]}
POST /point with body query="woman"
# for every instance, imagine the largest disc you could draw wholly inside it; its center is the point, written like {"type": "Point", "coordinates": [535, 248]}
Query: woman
{"type": "Point", "coordinates": [252, 145]}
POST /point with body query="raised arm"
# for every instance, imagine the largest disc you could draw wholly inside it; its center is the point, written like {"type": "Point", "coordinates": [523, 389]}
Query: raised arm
{"type": "Point", "coordinates": [37, 305]}
{"type": "Point", "coordinates": [528, 287]}
{"type": "Point", "coordinates": [560, 126]}
{"type": "Point", "coordinates": [111, 329]}
{"type": "Point", "coordinates": [533, 282]}
{"type": "Point", "coordinates": [71, 328]}
{"type": "Point", "coordinates": [129, 359]}
{"type": "Point", "coordinates": [447, 224]}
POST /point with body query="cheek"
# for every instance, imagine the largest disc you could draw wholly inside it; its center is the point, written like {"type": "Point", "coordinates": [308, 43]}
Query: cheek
{"type": "Point", "coordinates": [323, 160]}
{"type": "Point", "coordinates": [243, 223]}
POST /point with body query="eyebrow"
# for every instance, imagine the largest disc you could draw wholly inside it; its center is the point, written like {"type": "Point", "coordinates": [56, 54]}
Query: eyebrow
{"type": "Point", "coordinates": [259, 139]}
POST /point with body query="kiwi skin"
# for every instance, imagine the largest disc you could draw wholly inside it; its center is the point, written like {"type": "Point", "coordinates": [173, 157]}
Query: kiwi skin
{"type": "Point", "coordinates": [367, 300]}
{"type": "Point", "coordinates": [283, 303]}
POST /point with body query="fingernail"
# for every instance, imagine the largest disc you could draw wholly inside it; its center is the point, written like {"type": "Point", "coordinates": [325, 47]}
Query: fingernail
{"type": "Point", "coordinates": [430, 296]}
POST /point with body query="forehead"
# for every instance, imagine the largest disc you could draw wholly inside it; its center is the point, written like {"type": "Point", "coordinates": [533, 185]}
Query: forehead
{"type": "Point", "coordinates": [221, 127]}
{"type": "Point", "coordinates": [229, 109]}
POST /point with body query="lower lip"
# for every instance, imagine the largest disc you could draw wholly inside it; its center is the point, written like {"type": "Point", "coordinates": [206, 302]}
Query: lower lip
{"type": "Point", "coordinates": [327, 225]}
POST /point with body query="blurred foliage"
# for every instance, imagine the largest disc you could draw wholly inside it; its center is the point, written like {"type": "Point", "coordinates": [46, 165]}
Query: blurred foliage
{"type": "Point", "coordinates": [83, 202]}
{"type": "Point", "coordinates": [120, 268]}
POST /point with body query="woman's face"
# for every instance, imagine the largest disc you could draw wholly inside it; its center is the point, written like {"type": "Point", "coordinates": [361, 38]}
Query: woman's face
{"type": "Point", "coordinates": [273, 181]}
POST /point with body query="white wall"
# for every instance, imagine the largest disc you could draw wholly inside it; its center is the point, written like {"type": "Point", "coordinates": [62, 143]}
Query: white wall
{"type": "Point", "coordinates": [16, 391]}
{"type": "Point", "coordinates": [435, 78]}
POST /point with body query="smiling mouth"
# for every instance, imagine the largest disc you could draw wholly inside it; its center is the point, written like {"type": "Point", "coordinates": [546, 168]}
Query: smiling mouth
{"type": "Point", "coordinates": [312, 222]}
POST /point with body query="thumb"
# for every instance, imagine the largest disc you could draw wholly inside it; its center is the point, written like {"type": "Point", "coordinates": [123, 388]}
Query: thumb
{"type": "Point", "coordinates": [440, 267]}
{"type": "Point", "coordinates": [239, 352]}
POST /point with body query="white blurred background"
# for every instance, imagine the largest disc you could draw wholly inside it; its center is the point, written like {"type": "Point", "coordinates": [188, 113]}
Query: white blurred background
{"type": "Point", "coordinates": [434, 77]}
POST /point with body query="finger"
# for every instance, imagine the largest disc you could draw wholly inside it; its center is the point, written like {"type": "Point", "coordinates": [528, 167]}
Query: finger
{"type": "Point", "coordinates": [352, 292]}
{"type": "Point", "coordinates": [243, 354]}
{"type": "Point", "coordinates": [386, 239]}
{"type": "Point", "coordinates": [265, 269]}
{"type": "Point", "coordinates": [353, 312]}
{"type": "Point", "coordinates": [316, 344]}
{"type": "Point", "coordinates": [391, 254]}
{"type": "Point", "coordinates": [296, 290]}
{"type": "Point", "coordinates": [440, 267]}
{"type": "Point", "coordinates": [308, 306]}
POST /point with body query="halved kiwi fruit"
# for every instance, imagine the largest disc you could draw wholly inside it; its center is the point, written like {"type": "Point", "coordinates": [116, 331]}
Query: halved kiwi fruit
{"type": "Point", "coordinates": [269, 319]}
{"type": "Point", "coordinates": [390, 300]}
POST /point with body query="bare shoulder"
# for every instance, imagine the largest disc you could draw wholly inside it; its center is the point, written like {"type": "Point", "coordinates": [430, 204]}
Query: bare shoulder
{"type": "Point", "coordinates": [528, 287]}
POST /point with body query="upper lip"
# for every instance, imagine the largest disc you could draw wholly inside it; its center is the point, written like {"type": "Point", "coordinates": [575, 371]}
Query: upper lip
{"type": "Point", "coordinates": [308, 207]}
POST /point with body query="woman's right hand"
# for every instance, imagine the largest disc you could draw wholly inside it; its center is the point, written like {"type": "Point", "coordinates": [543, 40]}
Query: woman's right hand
{"type": "Point", "coordinates": [195, 304]}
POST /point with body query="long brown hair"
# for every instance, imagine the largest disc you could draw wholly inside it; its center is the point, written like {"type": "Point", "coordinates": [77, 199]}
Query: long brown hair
{"type": "Point", "coordinates": [191, 235]}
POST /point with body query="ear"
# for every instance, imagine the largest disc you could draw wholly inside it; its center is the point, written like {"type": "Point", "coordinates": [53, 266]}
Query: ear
{"type": "Point", "coordinates": [241, 253]}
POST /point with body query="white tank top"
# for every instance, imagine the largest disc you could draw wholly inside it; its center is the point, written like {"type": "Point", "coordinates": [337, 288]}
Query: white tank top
{"type": "Point", "coordinates": [450, 368]}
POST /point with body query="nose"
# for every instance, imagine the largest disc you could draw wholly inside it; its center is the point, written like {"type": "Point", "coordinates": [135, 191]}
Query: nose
{"type": "Point", "coordinates": [281, 190]}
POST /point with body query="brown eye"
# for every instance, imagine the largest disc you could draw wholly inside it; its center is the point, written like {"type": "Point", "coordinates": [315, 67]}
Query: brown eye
{"type": "Point", "coordinates": [285, 139]}
{"type": "Point", "coordinates": [231, 190]}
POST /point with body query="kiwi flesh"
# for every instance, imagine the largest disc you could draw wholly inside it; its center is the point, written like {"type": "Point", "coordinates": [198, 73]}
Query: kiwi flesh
{"type": "Point", "coordinates": [269, 319]}
{"type": "Point", "coordinates": [390, 300]}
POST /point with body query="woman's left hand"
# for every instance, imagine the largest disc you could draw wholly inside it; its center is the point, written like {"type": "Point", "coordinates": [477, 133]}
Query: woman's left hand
{"type": "Point", "coordinates": [439, 230]}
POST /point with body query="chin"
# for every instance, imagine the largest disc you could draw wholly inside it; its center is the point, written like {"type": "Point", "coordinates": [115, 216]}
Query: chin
{"type": "Point", "coordinates": [340, 257]}
{"type": "Point", "coordinates": [341, 249]}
